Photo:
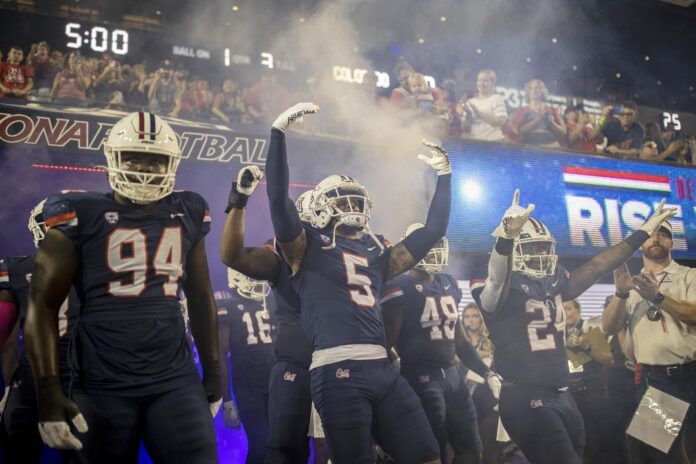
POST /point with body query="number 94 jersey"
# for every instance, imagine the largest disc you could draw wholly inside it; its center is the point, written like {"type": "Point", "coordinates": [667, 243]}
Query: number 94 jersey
{"type": "Point", "coordinates": [430, 314]}
{"type": "Point", "coordinates": [132, 261]}
{"type": "Point", "coordinates": [528, 330]}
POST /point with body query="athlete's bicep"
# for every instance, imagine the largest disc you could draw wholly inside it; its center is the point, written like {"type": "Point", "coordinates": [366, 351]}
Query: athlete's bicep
{"type": "Point", "coordinates": [258, 263]}
{"type": "Point", "coordinates": [55, 267]}
{"type": "Point", "coordinates": [294, 251]}
{"type": "Point", "coordinates": [400, 260]}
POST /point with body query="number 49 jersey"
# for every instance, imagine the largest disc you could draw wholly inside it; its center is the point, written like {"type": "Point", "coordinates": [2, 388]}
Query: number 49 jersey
{"type": "Point", "coordinates": [528, 330]}
{"type": "Point", "coordinates": [430, 316]}
{"type": "Point", "coordinates": [132, 261]}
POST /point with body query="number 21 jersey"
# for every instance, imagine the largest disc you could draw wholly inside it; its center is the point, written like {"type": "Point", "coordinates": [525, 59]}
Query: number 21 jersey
{"type": "Point", "coordinates": [130, 335]}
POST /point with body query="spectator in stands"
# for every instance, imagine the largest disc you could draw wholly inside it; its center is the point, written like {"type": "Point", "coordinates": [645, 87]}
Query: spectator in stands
{"type": "Point", "coordinates": [266, 98]}
{"type": "Point", "coordinates": [401, 96]}
{"type": "Point", "coordinates": [476, 331]}
{"type": "Point", "coordinates": [588, 350]}
{"type": "Point", "coordinates": [624, 135]}
{"type": "Point", "coordinates": [655, 149]}
{"type": "Point", "coordinates": [57, 60]}
{"type": "Point", "coordinates": [16, 79]}
{"type": "Point", "coordinates": [163, 89]}
{"type": "Point", "coordinates": [70, 85]}
{"type": "Point", "coordinates": [538, 123]}
{"type": "Point", "coordinates": [44, 69]}
{"type": "Point", "coordinates": [138, 89]}
{"type": "Point", "coordinates": [108, 82]}
{"type": "Point", "coordinates": [228, 104]}
{"type": "Point", "coordinates": [579, 129]}
{"type": "Point", "coordinates": [486, 112]}
{"type": "Point", "coordinates": [447, 108]}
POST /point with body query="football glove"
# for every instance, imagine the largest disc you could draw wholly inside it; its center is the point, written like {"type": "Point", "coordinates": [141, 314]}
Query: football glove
{"type": "Point", "coordinates": [514, 219]}
{"type": "Point", "coordinates": [53, 410]}
{"type": "Point", "coordinates": [493, 379]}
{"type": "Point", "coordinates": [215, 407]}
{"type": "Point", "coordinates": [439, 160]}
{"type": "Point", "coordinates": [231, 415]}
{"type": "Point", "coordinates": [294, 114]}
{"type": "Point", "coordinates": [660, 214]}
{"type": "Point", "coordinates": [247, 180]}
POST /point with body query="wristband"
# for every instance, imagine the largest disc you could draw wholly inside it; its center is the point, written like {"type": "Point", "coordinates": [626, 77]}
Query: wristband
{"type": "Point", "coordinates": [504, 246]}
{"type": "Point", "coordinates": [636, 239]}
{"type": "Point", "coordinates": [659, 298]}
{"type": "Point", "coordinates": [236, 200]}
{"type": "Point", "coordinates": [621, 296]}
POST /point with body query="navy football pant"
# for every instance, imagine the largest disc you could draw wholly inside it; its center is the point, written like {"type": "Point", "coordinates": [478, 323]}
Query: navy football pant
{"type": "Point", "coordinates": [545, 423]}
{"type": "Point", "coordinates": [175, 426]}
{"type": "Point", "coordinates": [289, 409]}
{"type": "Point", "coordinates": [360, 399]}
{"type": "Point", "coordinates": [21, 442]}
{"type": "Point", "coordinates": [250, 384]}
{"type": "Point", "coordinates": [449, 407]}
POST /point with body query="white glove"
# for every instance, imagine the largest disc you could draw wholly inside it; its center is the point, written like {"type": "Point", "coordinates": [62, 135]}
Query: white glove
{"type": "Point", "coordinates": [6, 393]}
{"type": "Point", "coordinates": [231, 415]}
{"type": "Point", "coordinates": [660, 214]}
{"type": "Point", "coordinates": [248, 178]}
{"type": "Point", "coordinates": [215, 407]}
{"type": "Point", "coordinates": [439, 160]}
{"type": "Point", "coordinates": [294, 114]}
{"type": "Point", "coordinates": [56, 434]}
{"type": "Point", "coordinates": [514, 219]}
{"type": "Point", "coordinates": [493, 379]}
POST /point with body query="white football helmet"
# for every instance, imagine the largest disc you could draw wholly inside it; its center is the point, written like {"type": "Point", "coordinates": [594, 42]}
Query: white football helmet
{"type": "Point", "coordinates": [36, 223]}
{"type": "Point", "coordinates": [535, 251]}
{"type": "Point", "coordinates": [342, 198]}
{"type": "Point", "coordinates": [436, 259]}
{"type": "Point", "coordinates": [302, 205]}
{"type": "Point", "coordinates": [142, 133]}
{"type": "Point", "coordinates": [246, 286]}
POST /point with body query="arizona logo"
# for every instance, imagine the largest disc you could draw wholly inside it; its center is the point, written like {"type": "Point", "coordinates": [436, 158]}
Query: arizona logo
{"type": "Point", "coordinates": [342, 373]}
{"type": "Point", "coordinates": [111, 217]}
{"type": "Point", "coordinates": [289, 376]}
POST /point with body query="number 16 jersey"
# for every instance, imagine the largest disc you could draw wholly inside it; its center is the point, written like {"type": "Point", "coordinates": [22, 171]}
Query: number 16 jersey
{"type": "Point", "coordinates": [130, 334]}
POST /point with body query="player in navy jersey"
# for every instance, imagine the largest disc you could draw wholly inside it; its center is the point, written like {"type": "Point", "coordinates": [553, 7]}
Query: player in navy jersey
{"type": "Point", "coordinates": [421, 318]}
{"type": "Point", "coordinates": [338, 269]}
{"type": "Point", "coordinates": [521, 301]}
{"type": "Point", "coordinates": [129, 253]}
{"type": "Point", "coordinates": [19, 420]}
{"type": "Point", "coordinates": [289, 395]}
{"type": "Point", "coordinates": [245, 335]}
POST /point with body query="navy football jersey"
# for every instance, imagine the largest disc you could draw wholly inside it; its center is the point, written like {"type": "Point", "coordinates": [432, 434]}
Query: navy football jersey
{"type": "Point", "coordinates": [430, 314]}
{"type": "Point", "coordinates": [339, 290]}
{"type": "Point", "coordinates": [130, 334]}
{"type": "Point", "coordinates": [290, 343]}
{"type": "Point", "coordinates": [250, 327]}
{"type": "Point", "coordinates": [528, 330]}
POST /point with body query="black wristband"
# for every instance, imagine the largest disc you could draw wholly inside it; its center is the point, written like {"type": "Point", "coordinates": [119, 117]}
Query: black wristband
{"type": "Point", "coordinates": [637, 238]}
{"type": "Point", "coordinates": [236, 199]}
{"type": "Point", "coordinates": [504, 246]}
{"type": "Point", "coordinates": [621, 296]}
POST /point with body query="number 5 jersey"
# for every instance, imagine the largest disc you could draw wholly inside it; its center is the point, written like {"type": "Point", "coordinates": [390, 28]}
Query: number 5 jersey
{"type": "Point", "coordinates": [130, 333]}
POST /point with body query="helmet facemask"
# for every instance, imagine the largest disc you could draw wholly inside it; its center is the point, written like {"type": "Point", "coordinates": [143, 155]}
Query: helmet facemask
{"type": "Point", "coordinates": [140, 187]}
{"type": "Point", "coordinates": [436, 259]}
{"type": "Point", "coordinates": [535, 258]}
{"type": "Point", "coordinates": [349, 205]}
{"type": "Point", "coordinates": [247, 287]}
{"type": "Point", "coordinates": [36, 224]}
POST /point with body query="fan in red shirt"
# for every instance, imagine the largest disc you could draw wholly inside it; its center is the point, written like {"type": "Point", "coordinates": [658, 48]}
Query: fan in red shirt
{"type": "Point", "coordinates": [15, 79]}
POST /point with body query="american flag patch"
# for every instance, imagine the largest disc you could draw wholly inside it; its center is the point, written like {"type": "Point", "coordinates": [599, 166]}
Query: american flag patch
{"type": "Point", "coordinates": [222, 311]}
{"type": "Point", "coordinates": [206, 216]}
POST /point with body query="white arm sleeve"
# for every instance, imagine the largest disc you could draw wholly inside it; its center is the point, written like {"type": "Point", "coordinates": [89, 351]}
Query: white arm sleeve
{"type": "Point", "coordinates": [495, 283]}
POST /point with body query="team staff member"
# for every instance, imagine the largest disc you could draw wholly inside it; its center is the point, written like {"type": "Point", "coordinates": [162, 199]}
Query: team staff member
{"type": "Point", "coordinates": [660, 307]}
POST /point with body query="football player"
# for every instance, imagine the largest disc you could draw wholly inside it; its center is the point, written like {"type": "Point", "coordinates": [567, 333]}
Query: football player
{"type": "Point", "coordinates": [338, 269]}
{"type": "Point", "coordinates": [421, 319]}
{"type": "Point", "coordinates": [289, 395]}
{"type": "Point", "coordinates": [19, 420]}
{"type": "Point", "coordinates": [129, 253]}
{"type": "Point", "coordinates": [245, 336]}
{"type": "Point", "coordinates": [521, 301]}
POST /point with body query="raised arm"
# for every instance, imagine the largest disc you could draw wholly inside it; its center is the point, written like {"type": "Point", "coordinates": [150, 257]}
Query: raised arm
{"type": "Point", "coordinates": [286, 220]}
{"type": "Point", "coordinates": [204, 324]}
{"type": "Point", "coordinates": [54, 269]}
{"type": "Point", "coordinates": [497, 286]}
{"type": "Point", "coordinates": [256, 262]}
{"type": "Point", "coordinates": [582, 278]}
{"type": "Point", "coordinates": [406, 254]}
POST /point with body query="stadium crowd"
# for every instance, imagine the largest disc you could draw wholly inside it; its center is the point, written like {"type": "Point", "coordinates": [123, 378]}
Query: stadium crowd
{"type": "Point", "coordinates": [51, 76]}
